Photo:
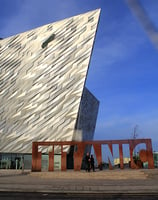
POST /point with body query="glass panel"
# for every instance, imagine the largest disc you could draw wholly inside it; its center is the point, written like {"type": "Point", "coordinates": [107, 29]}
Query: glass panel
{"type": "Point", "coordinates": [45, 162]}
{"type": "Point", "coordinates": [57, 162]}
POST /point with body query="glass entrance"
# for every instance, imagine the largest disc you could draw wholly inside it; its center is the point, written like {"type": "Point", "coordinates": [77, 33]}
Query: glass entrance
{"type": "Point", "coordinates": [45, 162]}
{"type": "Point", "coordinates": [57, 162]}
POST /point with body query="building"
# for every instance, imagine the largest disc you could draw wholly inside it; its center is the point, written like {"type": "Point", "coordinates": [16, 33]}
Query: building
{"type": "Point", "coordinates": [42, 88]}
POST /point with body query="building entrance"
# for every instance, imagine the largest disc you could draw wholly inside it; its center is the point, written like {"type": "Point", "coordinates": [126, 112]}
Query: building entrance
{"type": "Point", "coordinates": [57, 162]}
{"type": "Point", "coordinates": [44, 162]}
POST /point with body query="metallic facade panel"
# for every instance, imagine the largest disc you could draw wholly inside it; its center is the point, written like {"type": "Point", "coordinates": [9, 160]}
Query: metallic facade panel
{"type": "Point", "coordinates": [87, 116]}
{"type": "Point", "coordinates": [42, 76]}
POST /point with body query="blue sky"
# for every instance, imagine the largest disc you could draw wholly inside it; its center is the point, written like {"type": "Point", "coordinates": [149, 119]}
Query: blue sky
{"type": "Point", "coordinates": [123, 72]}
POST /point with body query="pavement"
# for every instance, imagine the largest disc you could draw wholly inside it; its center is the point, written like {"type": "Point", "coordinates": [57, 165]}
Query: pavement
{"type": "Point", "coordinates": [127, 181]}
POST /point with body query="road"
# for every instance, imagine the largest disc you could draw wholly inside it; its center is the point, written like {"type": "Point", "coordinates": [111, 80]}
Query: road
{"type": "Point", "coordinates": [48, 196]}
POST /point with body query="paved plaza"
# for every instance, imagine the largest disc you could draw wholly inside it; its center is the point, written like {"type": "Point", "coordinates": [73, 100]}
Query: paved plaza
{"type": "Point", "coordinates": [127, 181]}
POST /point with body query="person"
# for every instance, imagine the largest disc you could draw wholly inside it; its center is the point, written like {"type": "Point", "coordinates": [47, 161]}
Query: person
{"type": "Point", "coordinates": [92, 163]}
{"type": "Point", "coordinates": [87, 162]}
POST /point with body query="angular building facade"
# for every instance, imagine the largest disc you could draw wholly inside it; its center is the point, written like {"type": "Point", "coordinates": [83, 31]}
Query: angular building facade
{"type": "Point", "coordinates": [42, 86]}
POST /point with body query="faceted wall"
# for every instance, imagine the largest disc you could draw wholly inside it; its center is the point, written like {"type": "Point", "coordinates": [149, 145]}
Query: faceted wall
{"type": "Point", "coordinates": [87, 116]}
{"type": "Point", "coordinates": [42, 76]}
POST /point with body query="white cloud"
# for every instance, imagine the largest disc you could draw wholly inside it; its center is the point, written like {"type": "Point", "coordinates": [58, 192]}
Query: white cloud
{"type": "Point", "coordinates": [32, 14]}
{"type": "Point", "coordinates": [123, 41]}
{"type": "Point", "coordinates": [122, 127]}
{"type": "Point", "coordinates": [116, 43]}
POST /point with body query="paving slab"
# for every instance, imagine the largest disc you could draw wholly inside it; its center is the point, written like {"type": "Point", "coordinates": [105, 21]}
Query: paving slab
{"type": "Point", "coordinates": [107, 181]}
